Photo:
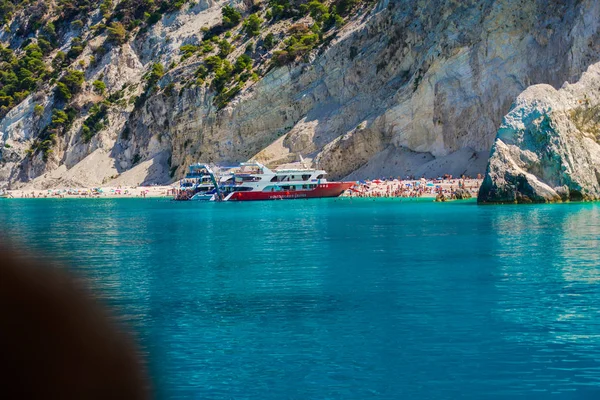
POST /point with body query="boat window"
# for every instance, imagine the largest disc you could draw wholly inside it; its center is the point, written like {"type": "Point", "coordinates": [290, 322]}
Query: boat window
{"type": "Point", "coordinates": [305, 177]}
{"type": "Point", "coordinates": [274, 179]}
{"type": "Point", "coordinates": [320, 176]}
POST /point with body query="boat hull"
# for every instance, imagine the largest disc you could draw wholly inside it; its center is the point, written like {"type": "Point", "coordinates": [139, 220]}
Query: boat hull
{"type": "Point", "coordinates": [203, 197]}
{"type": "Point", "coordinates": [329, 189]}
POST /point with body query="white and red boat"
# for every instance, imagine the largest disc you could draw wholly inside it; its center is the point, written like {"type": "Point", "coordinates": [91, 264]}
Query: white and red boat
{"type": "Point", "coordinates": [254, 181]}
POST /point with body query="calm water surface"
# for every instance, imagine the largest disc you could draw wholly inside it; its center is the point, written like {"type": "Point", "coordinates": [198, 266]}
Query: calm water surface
{"type": "Point", "coordinates": [343, 299]}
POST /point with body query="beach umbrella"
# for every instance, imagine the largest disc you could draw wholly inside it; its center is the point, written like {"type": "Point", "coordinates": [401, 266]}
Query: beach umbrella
{"type": "Point", "coordinates": [377, 181]}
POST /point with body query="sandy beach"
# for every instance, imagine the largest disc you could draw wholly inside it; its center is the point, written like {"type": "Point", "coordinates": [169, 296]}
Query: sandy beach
{"type": "Point", "coordinates": [99, 192]}
{"type": "Point", "coordinates": [414, 188]}
{"type": "Point", "coordinates": [363, 189]}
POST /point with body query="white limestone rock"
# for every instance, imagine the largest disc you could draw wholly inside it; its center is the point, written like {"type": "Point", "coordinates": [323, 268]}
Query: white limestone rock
{"type": "Point", "coordinates": [548, 147]}
{"type": "Point", "coordinates": [422, 84]}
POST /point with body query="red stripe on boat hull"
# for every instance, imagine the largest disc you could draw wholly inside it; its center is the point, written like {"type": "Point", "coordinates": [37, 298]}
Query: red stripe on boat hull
{"type": "Point", "coordinates": [330, 189]}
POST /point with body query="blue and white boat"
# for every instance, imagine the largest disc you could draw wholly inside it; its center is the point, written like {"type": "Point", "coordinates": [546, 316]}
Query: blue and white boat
{"type": "Point", "coordinates": [199, 184]}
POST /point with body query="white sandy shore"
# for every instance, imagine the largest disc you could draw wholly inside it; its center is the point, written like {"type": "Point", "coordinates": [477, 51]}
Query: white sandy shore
{"type": "Point", "coordinates": [414, 188]}
{"type": "Point", "coordinates": [392, 188]}
{"type": "Point", "coordinates": [100, 192]}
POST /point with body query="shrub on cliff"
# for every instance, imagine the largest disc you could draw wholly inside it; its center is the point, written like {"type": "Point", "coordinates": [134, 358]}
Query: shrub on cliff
{"type": "Point", "coordinates": [317, 10]}
{"type": "Point", "coordinates": [225, 48]}
{"type": "Point", "coordinates": [187, 50]}
{"type": "Point", "coordinates": [243, 62]}
{"type": "Point", "coordinates": [38, 110]}
{"type": "Point", "coordinates": [213, 63]}
{"type": "Point", "coordinates": [269, 41]}
{"type": "Point", "coordinates": [225, 97]}
{"type": "Point", "coordinates": [99, 86]}
{"type": "Point", "coordinates": [156, 72]}
{"type": "Point", "coordinates": [19, 76]}
{"type": "Point", "coordinates": [206, 48]}
{"type": "Point", "coordinates": [6, 11]}
{"type": "Point", "coordinates": [95, 122]}
{"type": "Point", "coordinates": [106, 8]}
{"type": "Point", "coordinates": [281, 9]}
{"type": "Point", "coordinates": [252, 25]}
{"type": "Point", "coordinates": [231, 16]}
{"type": "Point", "coordinates": [201, 72]}
{"type": "Point", "coordinates": [345, 6]}
{"type": "Point", "coordinates": [223, 75]}
{"type": "Point", "coordinates": [62, 92]}
{"type": "Point", "coordinates": [59, 60]}
{"type": "Point", "coordinates": [76, 49]}
{"type": "Point", "coordinates": [73, 80]}
{"type": "Point", "coordinates": [117, 33]}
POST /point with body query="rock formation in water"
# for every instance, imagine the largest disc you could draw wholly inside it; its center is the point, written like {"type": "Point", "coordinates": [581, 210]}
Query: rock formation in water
{"type": "Point", "coordinates": [364, 89]}
{"type": "Point", "coordinates": [462, 194]}
{"type": "Point", "coordinates": [548, 147]}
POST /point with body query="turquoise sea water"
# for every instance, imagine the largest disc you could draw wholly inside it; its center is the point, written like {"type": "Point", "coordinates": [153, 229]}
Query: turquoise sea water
{"type": "Point", "coordinates": [341, 299]}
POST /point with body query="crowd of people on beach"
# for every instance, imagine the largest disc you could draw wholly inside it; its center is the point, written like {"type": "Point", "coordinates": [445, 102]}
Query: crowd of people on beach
{"type": "Point", "coordinates": [116, 192]}
{"type": "Point", "coordinates": [442, 188]}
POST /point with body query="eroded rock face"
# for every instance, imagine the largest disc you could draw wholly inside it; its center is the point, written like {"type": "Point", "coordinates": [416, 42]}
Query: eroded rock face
{"type": "Point", "coordinates": [431, 78]}
{"type": "Point", "coordinates": [406, 88]}
{"type": "Point", "coordinates": [548, 147]}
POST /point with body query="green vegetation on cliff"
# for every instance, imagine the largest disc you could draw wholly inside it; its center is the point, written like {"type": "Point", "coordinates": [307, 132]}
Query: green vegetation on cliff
{"type": "Point", "coordinates": [49, 38]}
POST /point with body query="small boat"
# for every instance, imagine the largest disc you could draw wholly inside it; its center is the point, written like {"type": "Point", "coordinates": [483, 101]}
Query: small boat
{"type": "Point", "coordinates": [205, 196]}
{"type": "Point", "coordinates": [199, 184]}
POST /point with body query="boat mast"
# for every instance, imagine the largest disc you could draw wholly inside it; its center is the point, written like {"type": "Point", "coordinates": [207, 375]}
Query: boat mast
{"type": "Point", "coordinates": [215, 183]}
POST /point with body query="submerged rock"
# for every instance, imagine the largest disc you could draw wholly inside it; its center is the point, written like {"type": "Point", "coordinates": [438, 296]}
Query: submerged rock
{"type": "Point", "coordinates": [548, 147]}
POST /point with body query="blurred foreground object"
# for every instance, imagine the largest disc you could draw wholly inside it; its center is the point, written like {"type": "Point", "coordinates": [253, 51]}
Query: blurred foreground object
{"type": "Point", "coordinates": [56, 342]}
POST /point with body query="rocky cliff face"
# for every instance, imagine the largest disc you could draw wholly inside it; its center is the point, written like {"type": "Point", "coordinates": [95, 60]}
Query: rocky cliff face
{"type": "Point", "coordinates": [405, 87]}
{"type": "Point", "coordinates": [548, 147]}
